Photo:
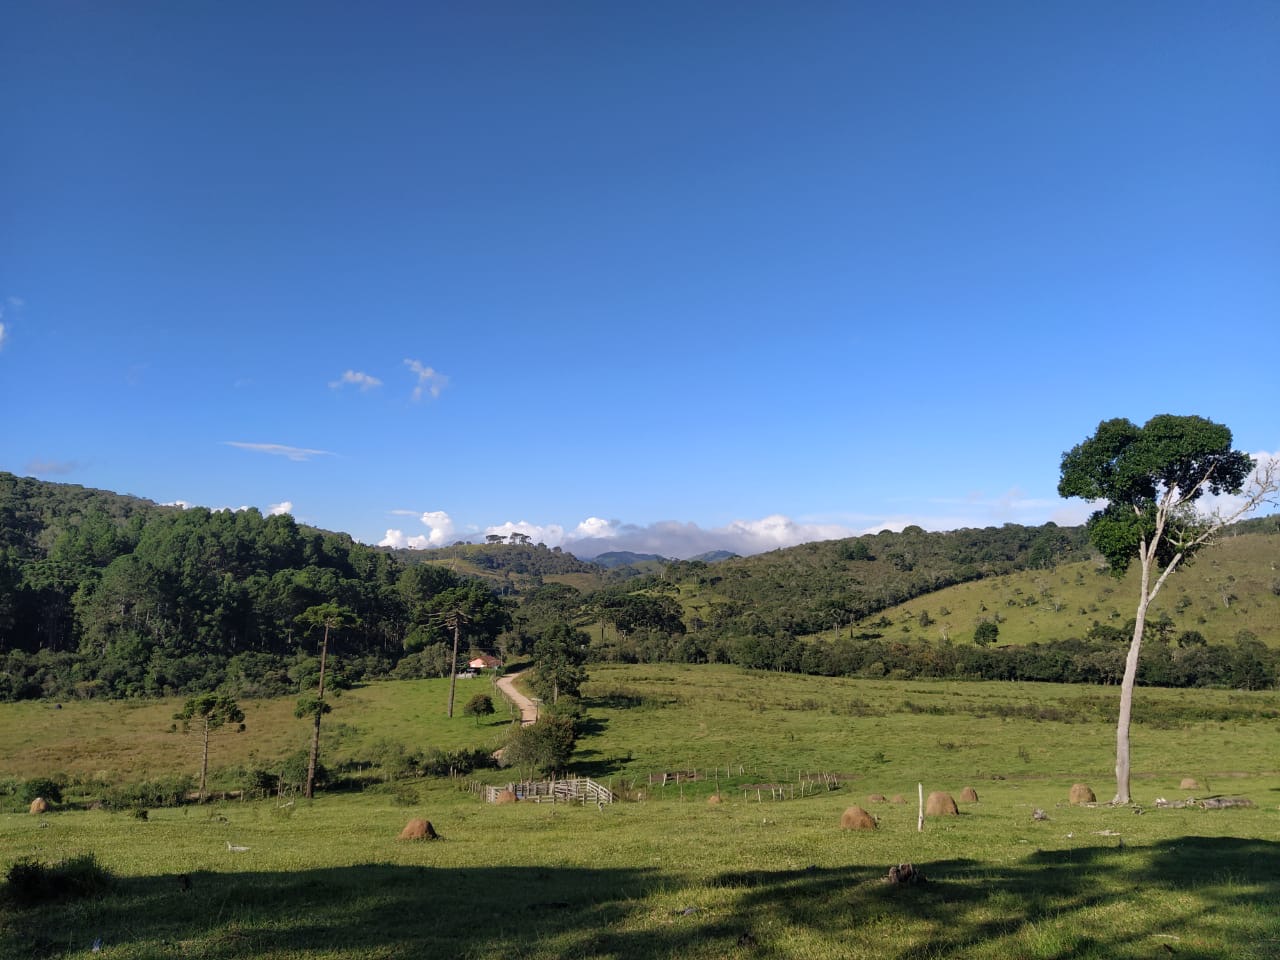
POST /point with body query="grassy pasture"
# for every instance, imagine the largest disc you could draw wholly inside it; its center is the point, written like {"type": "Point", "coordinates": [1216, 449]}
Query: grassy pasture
{"type": "Point", "coordinates": [668, 875]}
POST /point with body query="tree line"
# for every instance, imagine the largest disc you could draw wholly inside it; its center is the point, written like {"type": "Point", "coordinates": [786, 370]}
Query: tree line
{"type": "Point", "coordinates": [105, 595]}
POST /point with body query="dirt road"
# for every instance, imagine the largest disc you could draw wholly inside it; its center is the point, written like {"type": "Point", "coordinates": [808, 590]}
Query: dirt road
{"type": "Point", "coordinates": [528, 709]}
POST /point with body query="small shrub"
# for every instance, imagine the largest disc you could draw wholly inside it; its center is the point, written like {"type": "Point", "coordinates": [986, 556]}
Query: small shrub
{"type": "Point", "coordinates": [438, 763]}
{"type": "Point", "coordinates": [30, 882]}
{"type": "Point", "coordinates": [170, 791]}
{"type": "Point", "coordinates": [481, 705]}
{"type": "Point", "coordinates": [394, 759]}
{"type": "Point", "coordinates": [45, 787]}
{"type": "Point", "coordinates": [404, 795]}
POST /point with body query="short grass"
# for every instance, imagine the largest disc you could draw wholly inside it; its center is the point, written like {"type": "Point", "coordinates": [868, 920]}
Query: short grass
{"type": "Point", "coordinates": [667, 875]}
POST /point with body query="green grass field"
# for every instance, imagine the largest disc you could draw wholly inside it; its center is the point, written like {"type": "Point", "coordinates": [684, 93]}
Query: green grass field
{"type": "Point", "coordinates": [665, 874]}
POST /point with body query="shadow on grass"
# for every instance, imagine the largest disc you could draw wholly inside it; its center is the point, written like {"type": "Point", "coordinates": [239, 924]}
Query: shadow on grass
{"type": "Point", "coordinates": [968, 902]}
{"type": "Point", "coordinates": [413, 911]}
{"type": "Point", "coordinates": [593, 764]}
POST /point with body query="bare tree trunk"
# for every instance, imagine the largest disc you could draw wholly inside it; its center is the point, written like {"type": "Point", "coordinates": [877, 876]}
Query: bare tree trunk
{"type": "Point", "coordinates": [315, 734]}
{"type": "Point", "coordinates": [1147, 555]}
{"type": "Point", "coordinates": [1126, 702]}
{"type": "Point", "coordinates": [204, 760]}
{"type": "Point", "coordinates": [453, 670]}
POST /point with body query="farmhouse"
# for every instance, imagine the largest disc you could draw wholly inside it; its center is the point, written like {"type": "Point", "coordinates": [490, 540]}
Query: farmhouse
{"type": "Point", "coordinates": [484, 661]}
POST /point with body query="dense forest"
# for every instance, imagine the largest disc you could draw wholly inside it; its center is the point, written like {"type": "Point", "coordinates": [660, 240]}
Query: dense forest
{"type": "Point", "coordinates": [110, 595]}
{"type": "Point", "coordinates": [104, 595]}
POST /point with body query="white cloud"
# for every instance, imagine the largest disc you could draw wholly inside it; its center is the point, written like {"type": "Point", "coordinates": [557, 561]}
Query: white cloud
{"type": "Point", "coordinates": [593, 528]}
{"type": "Point", "coordinates": [440, 531]}
{"type": "Point", "coordinates": [399, 541]}
{"type": "Point", "coordinates": [362, 380]}
{"type": "Point", "coordinates": [184, 504]}
{"type": "Point", "coordinates": [441, 526]}
{"type": "Point", "coordinates": [429, 381]}
{"type": "Point", "coordinates": [276, 509]}
{"type": "Point", "coordinates": [2, 336]}
{"type": "Point", "coordinates": [551, 534]}
{"type": "Point", "coordinates": [296, 454]}
{"type": "Point", "coordinates": [671, 538]}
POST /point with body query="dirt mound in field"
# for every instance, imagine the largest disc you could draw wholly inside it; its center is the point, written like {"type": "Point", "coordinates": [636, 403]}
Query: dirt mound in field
{"type": "Point", "coordinates": [898, 798]}
{"type": "Point", "coordinates": [505, 796]}
{"type": "Point", "coordinates": [969, 795]}
{"type": "Point", "coordinates": [715, 800]}
{"type": "Point", "coordinates": [941, 804]}
{"type": "Point", "coordinates": [39, 805]}
{"type": "Point", "coordinates": [877, 798]}
{"type": "Point", "coordinates": [1081, 793]}
{"type": "Point", "coordinates": [417, 829]}
{"type": "Point", "coordinates": [855, 818]}
{"type": "Point", "coordinates": [1189, 783]}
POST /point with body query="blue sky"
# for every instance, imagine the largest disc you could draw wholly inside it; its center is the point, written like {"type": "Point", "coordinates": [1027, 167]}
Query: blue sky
{"type": "Point", "coordinates": [669, 276]}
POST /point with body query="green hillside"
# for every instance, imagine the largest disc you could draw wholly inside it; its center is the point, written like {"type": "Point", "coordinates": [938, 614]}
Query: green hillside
{"type": "Point", "coordinates": [835, 583]}
{"type": "Point", "coordinates": [1232, 588]}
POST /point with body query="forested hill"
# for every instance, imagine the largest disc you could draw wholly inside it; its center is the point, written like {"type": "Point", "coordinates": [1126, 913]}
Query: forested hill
{"type": "Point", "coordinates": [817, 586]}
{"type": "Point", "coordinates": [102, 594]}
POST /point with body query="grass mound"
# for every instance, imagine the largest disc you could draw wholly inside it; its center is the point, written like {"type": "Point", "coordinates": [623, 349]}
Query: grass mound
{"type": "Point", "coordinates": [505, 796]}
{"type": "Point", "coordinates": [1189, 783]}
{"type": "Point", "coordinates": [941, 804]}
{"type": "Point", "coordinates": [1082, 793]}
{"type": "Point", "coordinates": [877, 798]}
{"type": "Point", "coordinates": [969, 795]}
{"type": "Point", "coordinates": [855, 818]}
{"type": "Point", "coordinates": [419, 829]}
{"type": "Point", "coordinates": [39, 805]}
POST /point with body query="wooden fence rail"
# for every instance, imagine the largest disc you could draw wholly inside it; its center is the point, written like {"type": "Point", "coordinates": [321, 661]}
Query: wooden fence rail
{"type": "Point", "coordinates": [574, 790]}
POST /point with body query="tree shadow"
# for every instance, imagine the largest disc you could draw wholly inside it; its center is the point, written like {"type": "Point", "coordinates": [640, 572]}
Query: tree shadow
{"type": "Point", "coordinates": [589, 726]}
{"type": "Point", "coordinates": [968, 902]}
{"type": "Point", "coordinates": [591, 763]}
{"type": "Point", "coordinates": [393, 910]}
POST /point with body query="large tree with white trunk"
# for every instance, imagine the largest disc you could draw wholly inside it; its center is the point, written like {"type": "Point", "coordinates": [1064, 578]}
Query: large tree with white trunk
{"type": "Point", "coordinates": [1149, 482]}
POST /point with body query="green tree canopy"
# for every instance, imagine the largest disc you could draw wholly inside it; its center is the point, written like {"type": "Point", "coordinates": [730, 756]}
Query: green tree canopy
{"type": "Point", "coordinates": [986, 633]}
{"type": "Point", "coordinates": [559, 655]}
{"type": "Point", "coordinates": [481, 705]}
{"type": "Point", "coordinates": [545, 746]}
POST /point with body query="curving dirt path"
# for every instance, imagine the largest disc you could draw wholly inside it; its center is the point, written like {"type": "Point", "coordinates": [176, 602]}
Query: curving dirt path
{"type": "Point", "coordinates": [528, 709]}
